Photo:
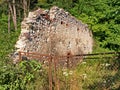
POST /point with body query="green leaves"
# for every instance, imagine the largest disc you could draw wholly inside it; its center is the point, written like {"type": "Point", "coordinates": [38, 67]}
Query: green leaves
{"type": "Point", "coordinates": [32, 65]}
{"type": "Point", "coordinates": [103, 17]}
{"type": "Point", "coordinates": [17, 77]}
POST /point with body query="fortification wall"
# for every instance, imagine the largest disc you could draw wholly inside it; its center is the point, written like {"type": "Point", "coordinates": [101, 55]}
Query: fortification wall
{"type": "Point", "coordinates": [54, 31]}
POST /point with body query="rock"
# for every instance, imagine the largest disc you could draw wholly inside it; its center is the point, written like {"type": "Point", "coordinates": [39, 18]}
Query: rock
{"type": "Point", "coordinates": [55, 32]}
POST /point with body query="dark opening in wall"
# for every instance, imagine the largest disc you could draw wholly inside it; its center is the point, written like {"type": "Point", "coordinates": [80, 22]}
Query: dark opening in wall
{"type": "Point", "coordinates": [62, 22]}
{"type": "Point", "coordinates": [68, 53]}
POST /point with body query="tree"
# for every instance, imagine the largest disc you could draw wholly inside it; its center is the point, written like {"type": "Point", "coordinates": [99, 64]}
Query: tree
{"type": "Point", "coordinates": [9, 20]}
{"type": "Point", "coordinates": [12, 9]}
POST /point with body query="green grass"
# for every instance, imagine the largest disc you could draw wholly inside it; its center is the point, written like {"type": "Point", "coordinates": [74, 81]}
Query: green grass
{"type": "Point", "coordinates": [7, 42]}
{"type": "Point", "coordinates": [100, 74]}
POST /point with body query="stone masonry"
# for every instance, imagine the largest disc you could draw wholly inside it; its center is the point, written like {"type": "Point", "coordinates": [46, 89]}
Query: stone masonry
{"type": "Point", "coordinates": [55, 32]}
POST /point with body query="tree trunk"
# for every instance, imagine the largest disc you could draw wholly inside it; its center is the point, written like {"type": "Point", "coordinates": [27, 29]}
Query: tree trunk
{"type": "Point", "coordinates": [25, 8]}
{"type": "Point", "coordinates": [14, 13]}
{"type": "Point", "coordinates": [28, 8]}
{"type": "Point", "coordinates": [8, 20]}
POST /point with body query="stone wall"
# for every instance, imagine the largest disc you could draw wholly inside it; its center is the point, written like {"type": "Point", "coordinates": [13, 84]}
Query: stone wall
{"type": "Point", "coordinates": [54, 31]}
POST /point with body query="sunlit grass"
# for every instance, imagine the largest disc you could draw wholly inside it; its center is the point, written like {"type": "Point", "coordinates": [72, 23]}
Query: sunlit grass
{"type": "Point", "coordinates": [91, 75]}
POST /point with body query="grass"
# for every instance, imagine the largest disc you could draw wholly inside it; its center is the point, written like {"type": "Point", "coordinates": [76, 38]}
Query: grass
{"type": "Point", "coordinates": [92, 75]}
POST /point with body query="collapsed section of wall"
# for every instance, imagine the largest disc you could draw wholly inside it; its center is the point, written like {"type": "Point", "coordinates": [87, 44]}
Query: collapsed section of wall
{"type": "Point", "coordinates": [55, 32]}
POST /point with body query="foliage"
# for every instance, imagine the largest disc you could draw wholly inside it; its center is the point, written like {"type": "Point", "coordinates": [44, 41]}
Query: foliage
{"type": "Point", "coordinates": [22, 76]}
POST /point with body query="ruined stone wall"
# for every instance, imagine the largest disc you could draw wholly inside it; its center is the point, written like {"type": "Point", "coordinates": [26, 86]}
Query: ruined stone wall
{"type": "Point", "coordinates": [54, 31]}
